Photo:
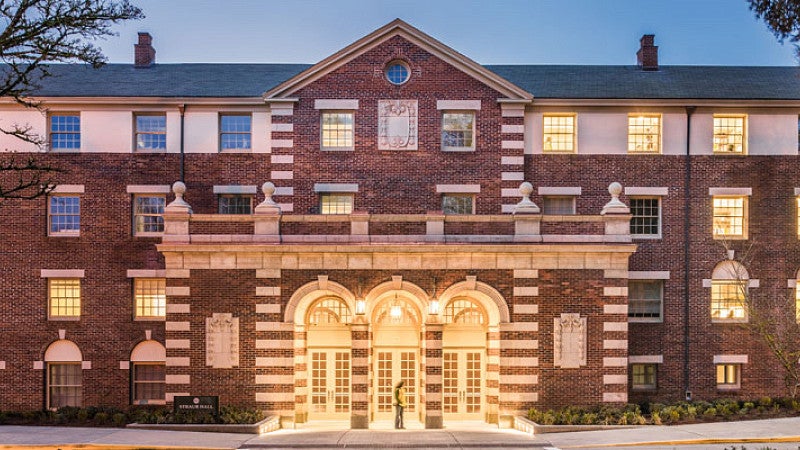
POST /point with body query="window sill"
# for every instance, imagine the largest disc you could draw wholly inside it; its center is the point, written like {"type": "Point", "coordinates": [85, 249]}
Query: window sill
{"type": "Point", "coordinates": [149, 319]}
{"type": "Point", "coordinates": [65, 234]}
{"type": "Point", "coordinates": [646, 237]}
{"type": "Point", "coordinates": [150, 150]}
{"type": "Point", "coordinates": [236, 150]}
{"type": "Point", "coordinates": [724, 321]}
{"type": "Point", "coordinates": [564, 152]}
{"type": "Point", "coordinates": [65, 150]}
{"type": "Point", "coordinates": [729, 238]}
{"type": "Point", "coordinates": [146, 234]}
{"type": "Point", "coordinates": [63, 319]}
{"type": "Point", "coordinates": [337, 149]}
{"type": "Point", "coordinates": [645, 320]}
{"type": "Point", "coordinates": [723, 153]}
{"type": "Point", "coordinates": [644, 388]}
{"type": "Point", "coordinates": [728, 388]}
{"type": "Point", "coordinates": [644, 153]}
{"type": "Point", "coordinates": [458, 149]}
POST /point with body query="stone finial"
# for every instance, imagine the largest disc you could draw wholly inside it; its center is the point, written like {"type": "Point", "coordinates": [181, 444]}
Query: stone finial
{"type": "Point", "coordinates": [615, 206]}
{"type": "Point", "coordinates": [526, 205]}
{"type": "Point", "coordinates": [268, 206]}
{"type": "Point", "coordinates": [179, 204]}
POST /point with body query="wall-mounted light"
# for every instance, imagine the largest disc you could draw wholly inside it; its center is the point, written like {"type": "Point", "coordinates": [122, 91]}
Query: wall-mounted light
{"type": "Point", "coordinates": [395, 311]}
{"type": "Point", "coordinates": [361, 306]}
{"type": "Point", "coordinates": [433, 303]}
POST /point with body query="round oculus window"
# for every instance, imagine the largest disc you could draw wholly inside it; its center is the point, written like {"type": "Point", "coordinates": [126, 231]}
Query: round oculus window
{"type": "Point", "coordinates": [397, 72]}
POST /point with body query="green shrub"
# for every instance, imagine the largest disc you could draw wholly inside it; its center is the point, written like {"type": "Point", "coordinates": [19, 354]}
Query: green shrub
{"type": "Point", "coordinates": [710, 412]}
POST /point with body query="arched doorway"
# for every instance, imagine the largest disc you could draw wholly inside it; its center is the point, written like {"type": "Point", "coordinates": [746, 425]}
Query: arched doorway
{"type": "Point", "coordinates": [464, 360]}
{"type": "Point", "coordinates": [396, 323]}
{"type": "Point", "coordinates": [329, 364]}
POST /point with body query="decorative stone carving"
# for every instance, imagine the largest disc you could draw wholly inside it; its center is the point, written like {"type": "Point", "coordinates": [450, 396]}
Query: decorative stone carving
{"type": "Point", "coordinates": [526, 205]}
{"type": "Point", "coordinates": [222, 341]}
{"type": "Point", "coordinates": [569, 337]}
{"type": "Point", "coordinates": [615, 206]}
{"type": "Point", "coordinates": [397, 124]}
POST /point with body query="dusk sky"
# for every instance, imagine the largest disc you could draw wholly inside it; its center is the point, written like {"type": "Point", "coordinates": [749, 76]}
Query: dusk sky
{"type": "Point", "coordinates": [697, 32]}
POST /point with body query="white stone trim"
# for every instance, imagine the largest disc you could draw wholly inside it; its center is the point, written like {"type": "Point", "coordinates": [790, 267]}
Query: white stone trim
{"type": "Point", "coordinates": [178, 291]}
{"type": "Point", "coordinates": [791, 283]}
{"type": "Point", "coordinates": [178, 273]}
{"type": "Point", "coordinates": [335, 187]}
{"type": "Point", "coordinates": [506, 209]}
{"type": "Point", "coordinates": [286, 207]}
{"type": "Point", "coordinates": [281, 175]}
{"type": "Point", "coordinates": [509, 110]}
{"type": "Point", "coordinates": [520, 326]}
{"type": "Point", "coordinates": [615, 309]}
{"type": "Point", "coordinates": [510, 192]}
{"type": "Point", "coordinates": [38, 365]}
{"type": "Point", "coordinates": [474, 105]}
{"type": "Point", "coordinates": [730, 191]}
{"type": "Point", "coordinates": [177, 326]}
{"type": "Point", "coordinates": [275, 379]}
{"type": "Point", "coordinates": [559, 190]}
{"type": "Point", "coordinates": [458, 188]}
{"type": "Point", "coordinates": [615, 273]}
{"type": "Point", "coordinates": [649, 274]}
{"type": "Point", "coordinates": [281, 159]}
{"type": "Point", "coordinates": [754, 283]}
{"type": "Point", "coordinates": [615, 362]}
{"type": "Point", "coordinates": [275, 396]}
{"type": "Point", "coordinates": [235, 189]}
{"type": "Point", "coordinates": [796, 191]}
{"type": "Point", "coordinates": [640, 190]}
{"type": "Point", "coordinates": [646, 359]}
{"type": "Point", "coordinates": [526, 273]}
{"type": "Point", "coordinates": [282, 127]}
{"type": "Point", "coordinates": [63, 273]}
{"type": "Point", "coordinates": [268, 273]}
{"type": "Point", "coordinates": [730, 359]}
{"type": "Point", "coordinates": [148, 189]}
{"type": "Point", "coordinates": [512, 176]}
{"type": "Point", "coordinates": [275, 361]}
{"type": "Point", "coordinates": [512, 129]}
{"type": "Point", "coordinates": [519, 379]}
{"type": "Point", "coordinates": [615, 379]}
{"type": "Point", "coordinates": [282, 143]}
{"type": "Point", "coordinates": [336, 103]}
{"type": "Point", "coordinates": [526, 291]}
{"type": "Point", "coordinates": [177, 343]}
{"type": "Point", "coordinates": [519, 344]}
{"type": "Point", "coordinates": [178, 308]}
{"type": "Point", "coordinates": [284, 190]}
{"type": "Point", "coordinates": [615, 344]}
{"type": "Point", "coordinates": [123, 365]}
{"type": "Point", "coordinates": [268, 308]}
{"type": "Point", "coordinates": [170, 396]}
{"type": "Point", "coordinates": [615, 291]}
{"type": "Point", "coordinates": [86, 365]}
{"type": "Point", "coordinates": [177, 379]}
{"type": "Point", "coordinates": [615, 326]}
{"type": "Point", "coordinates": [177, 361]}
{"type": "Point", "coordinates": [615, 397]}
{"type": "Point", "coordinates": [512, 145]}
{"type": "Point", "coordinates": [512, 160]}
{"type": "Point", "coordinates": [264, 344]}
{"type": "Point", "coordinates": [68, 189]}
{"type": "Point", "coordinates": [516, 397]}
{"type": "Point", "coordinates": [268, 291]}
{"type": "Point", "coordinates": [274, 326]}
{"type": "Point", "coordinates": [519, 361]}
{"type": "Point", "coordinates": [146, 273]}
{"type": "Point", "coordinates": [526, 309]}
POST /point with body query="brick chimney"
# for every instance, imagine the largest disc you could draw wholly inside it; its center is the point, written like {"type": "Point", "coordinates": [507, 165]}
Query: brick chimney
{"type": "Point", "coordinates": [144, 55]}
{"type": "Point", "coordinates": [647, 56]}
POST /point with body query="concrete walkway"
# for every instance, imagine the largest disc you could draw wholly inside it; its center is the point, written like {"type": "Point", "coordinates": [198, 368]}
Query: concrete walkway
{"type": "Point", "coordinates": [778, 433]}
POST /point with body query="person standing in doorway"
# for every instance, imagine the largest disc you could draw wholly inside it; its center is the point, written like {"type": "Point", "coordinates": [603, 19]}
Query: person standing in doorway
{"type": "Point", "coordinates": [399, 404]}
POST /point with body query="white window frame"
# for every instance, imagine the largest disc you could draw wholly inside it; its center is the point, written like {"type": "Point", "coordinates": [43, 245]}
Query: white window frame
{"type": "Point", "coordinates": [720, 142]}
{"type": "Point", "coordinates": [660, 317]}
{"type": "Point", "coordinates": [634, 133]}
{"type": "Point", "coordinates": [573, 140]}
{"type": "Point", "coordinates": [572, 198]}
{"type": "Point", "coordinates": [144, 300]}
{"type": "Point", "coordinates": [50, 215]}
{"type": "Point", "coordinates": [51, 281]}
{"type": "Point", "coordinates": [456, 148]}
{"type": "Point", "coordinates": [49, 386]}
{"type": "Point", "coordinates": [657, 235]}
{"type": "Point", "coordinates": [51, 133]}
{"type": "Point", "coordinates": [222, 132]}
{"type": "Point", "coordinates": [136, 383]}
{"type": "Point", "coordinates": [137, 132]}
{"type": "Point", "coordinates": [220, 198]}
{"type": "Point", "coordinates": [644, 387]}
{"type": "Point", "coordinates": [471, 197]}
{"type": "Point", "coordinates": [730, 374]}
{"type": "Point", "coordinates": [351, 131]}
{"type": "Point", "coordinates": [718, 233]}
{"type": "Point", "coordinates": [330, 195]}
{"type": "Point", "coordinates": [137, 214]}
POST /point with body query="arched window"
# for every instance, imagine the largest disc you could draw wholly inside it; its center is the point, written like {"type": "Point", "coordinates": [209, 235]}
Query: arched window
{"type": "Point", "coordinates": [148, 377]}
{"type": "Point", "coordinates": [64, 374]}
{"type": "Point", "coordinates": [464, 311]}
{"type": "Point", "coordinates": [396, 311]}
{"type": "Point", "coordinates": [329, 310]}
{"type": "Point", "coordinates": [729, 292]}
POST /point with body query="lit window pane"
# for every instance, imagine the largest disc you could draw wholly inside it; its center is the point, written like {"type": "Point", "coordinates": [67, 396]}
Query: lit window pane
{"type": "Point", "coordinates": [65, 297]}
{"type": "Point", "coordinates": [151, 298]}
{"type": "Point", "coordinates": [337, 130]}
{"type": "Point", "coordinates": [336, 204]}
{"type": "Point", "coordinates": [729, 134]}
{"type": "Point", "coordinates": [729, 216]}
{"type": "Point", "coordinates": [559, 133]}
{"type": "Point", "coordinates": [727, 300]}
{"type": "Point", "coordinates": [458, 130]}
{"type": "Point", "coordinates": [644, 134]}
{"type": "Point", "coordinates": [643, 376]}
{"type": "Point", "coordinates": [148, 214]}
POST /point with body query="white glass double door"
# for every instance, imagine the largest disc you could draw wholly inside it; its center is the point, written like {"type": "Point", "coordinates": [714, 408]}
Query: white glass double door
{"type": "Point", "coordinates": [329, 384]}
{"type": "Point", "coordinates": [390, 366]}
{"type": "Point", "coordinates": [462, 384]}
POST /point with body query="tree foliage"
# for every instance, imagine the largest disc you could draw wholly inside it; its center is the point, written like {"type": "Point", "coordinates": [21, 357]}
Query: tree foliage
{"type": "Point", "coordinates": [33, 34]}
{"type": "Point", "coordinates": [782, 17]}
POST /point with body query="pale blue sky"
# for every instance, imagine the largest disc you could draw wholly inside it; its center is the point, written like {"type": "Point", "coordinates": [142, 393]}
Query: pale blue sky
{"type": "Point", "coordinates": [699, 32]}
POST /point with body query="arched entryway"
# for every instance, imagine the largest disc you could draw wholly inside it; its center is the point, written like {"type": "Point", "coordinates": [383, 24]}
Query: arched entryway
{"type": "Point", "coordinates": [464, 359]}
{"type": "Point", "coordinates": [328, 355]}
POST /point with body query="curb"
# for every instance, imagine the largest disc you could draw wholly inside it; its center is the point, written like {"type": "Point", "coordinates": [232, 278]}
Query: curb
{"type": "Point", "coordinates": [782, 439]}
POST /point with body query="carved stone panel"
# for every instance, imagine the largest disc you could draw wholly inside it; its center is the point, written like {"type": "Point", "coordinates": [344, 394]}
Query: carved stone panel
{"type": "Point", "coordinates": [222, 341]}
{"type": "Point", "coordinates": [569, 337]}
{"type": "Point", "coordinates": [397, 124]}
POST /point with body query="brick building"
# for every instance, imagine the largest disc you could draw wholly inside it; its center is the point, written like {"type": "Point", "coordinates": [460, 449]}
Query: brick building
{"type": "Point", "coordinates": [499, 237]}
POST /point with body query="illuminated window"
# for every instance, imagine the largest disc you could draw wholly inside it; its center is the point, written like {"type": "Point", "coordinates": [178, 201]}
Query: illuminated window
{"type": "Point", "coordinates": [797, 200]}
{"type": "Point", "coordinates": [645, 298]}
{"type": "Point", "coordinates": [646, 220]}
{"type": "Point", "coordinates": [336, 204]}
{"type": "Point", "coordinates": [235, 204]}
{"type": "Point", "coordinates": [458, 204]}
{"type": "Point", "coordinates": [234, 131]}
{"type": "Point", "coordinates": [729, 134]}
{"type": "Point", "coordinates": [463, 311]}
{"type": "Point", "coordinates": [559, 133]}
{"type": "Point", "coordinates": [329, 311]}
{"type": "Point", "coordinates": [149, 382]}
{"type": "Point", "coordinates": [643, 376]}
{"type": "Point", "coordinates": [64, 215]}
{"type": "Point", "coordinates": [797, 301]}
{"type": "Point", "coordinates": [65, 131]}
{"type": "Point", "coordinates": [151, 131]}
{"type": "Point", "coordinates": [64, 385]}
{"type": "Point", "coordinates": [727, 300]}
{"type": "Point", "coordinates": [558, 205]}
{"type": "Point", "coordinates": [730, 217]}
{"type": "Point", "coordinates": [337, 130]}
{"type": "Point", "coordinates": [458, 131]}
{"type": "Point", "coordinates": [148, 214]}
{"type": "Point", "coordinates": [728, 376]}
{"type": "Point", "coordinates": [644, 134]}
{"type": "Point", "coordinates": [151, 298]}
{"type": "Point", "coordinates": [64, 298]}
{"type": "Point", "coordinates": [397, 72]}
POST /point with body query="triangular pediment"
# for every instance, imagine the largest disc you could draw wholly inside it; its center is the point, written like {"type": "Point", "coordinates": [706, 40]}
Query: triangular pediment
{"type": "Point", "coordinates": [394, 28]}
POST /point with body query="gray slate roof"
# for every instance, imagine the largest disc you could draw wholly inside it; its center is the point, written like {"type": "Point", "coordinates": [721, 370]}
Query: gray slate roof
{"type": "Point", "coordinates": [543, 81]}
